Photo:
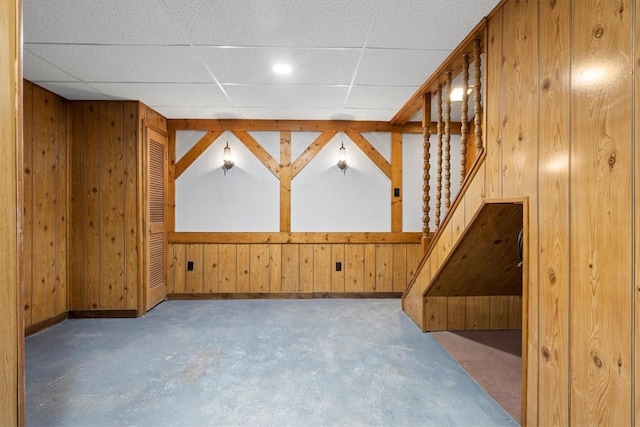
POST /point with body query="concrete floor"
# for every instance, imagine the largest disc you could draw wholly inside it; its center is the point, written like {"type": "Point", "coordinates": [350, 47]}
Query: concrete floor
{"type": "Point", "coordinates": [251, 362]}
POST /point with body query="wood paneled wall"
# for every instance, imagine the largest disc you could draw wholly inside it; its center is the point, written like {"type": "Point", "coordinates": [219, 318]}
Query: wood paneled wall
{"type": "Point", "coordinates": [46, 204]}
{"type": "Point", "coordinates": [106, 214]}
{"type": "Point", "coordinates": [562, 113]}
{"type": "Point", "coordinates": [280, 268]}
{"type": "Point", "coordinates": [11, 326]}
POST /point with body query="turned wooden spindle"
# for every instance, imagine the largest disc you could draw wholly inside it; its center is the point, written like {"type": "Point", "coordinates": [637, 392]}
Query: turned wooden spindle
{"type": "Point", "coordinates": [477, 95]}
{"type": "Point", "coordinates": [439, 159]}
{"type": "Point", "coordinates": [464, 128]}
{"type": "Point", "coordinates": [426, 165]}
{"type": "Point", "coordinates": [447, 144]}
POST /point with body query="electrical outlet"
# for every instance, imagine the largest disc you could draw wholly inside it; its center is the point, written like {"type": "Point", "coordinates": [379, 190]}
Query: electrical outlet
{"type": "Point", "coordinates": [338, 266]}
{"type": "Point", "coordinates": [396, 192]}
{"type": "Point", "coordinates": [189, 265]}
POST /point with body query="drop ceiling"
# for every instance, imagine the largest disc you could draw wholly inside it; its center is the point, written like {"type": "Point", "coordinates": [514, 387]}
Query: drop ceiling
{"type": "Point", "coordinates": [350, 59]}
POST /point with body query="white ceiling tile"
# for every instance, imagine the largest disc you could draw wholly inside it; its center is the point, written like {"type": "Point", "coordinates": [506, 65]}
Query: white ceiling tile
{"type": "Point", "coordinates": [198, 112]}
{"type": "Point", "coordinates": [74, 90]}
{"type": "Point", "coordinates": [376, 114]}
{"type": "Point", "coordinates": [99, 22]}
{"type": "Point", "coordinates": [327, 23]}
{"type": "Point", "coordinates": [390, 67]}
{"type": "Point", "coordinates": [380, 96]}
{"type": "Point", "coordinates": [289, 96]}
{"type": "Point", "coordinates": [167, 94]}
{"type": "Point", "coordinates": [254, 65]}
{"type": "Point", "coordinates": [271, 113]}
{"type": "Point", "coordinates": [125, 63]}
{"type": "Point", "coordinates": [433, 24]}
{"type": "Point", "coordinates": [37, 69]}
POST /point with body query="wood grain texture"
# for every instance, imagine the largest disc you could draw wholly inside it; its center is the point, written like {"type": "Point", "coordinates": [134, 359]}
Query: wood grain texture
{"type": "Point", "coordinates": [400, 267]}
{"type": "Point", "coordinates": [211, 269]}
{"type": "Point", "coordinates": [27, 179]}
{"type": "Point", "coordinates": [354, 268]}
{"type": "Point", "coordinates": [493, 106]}
{"type": "Point", "coordinates": [243, 266]}
{"type": "Point", "coordinates": [636, 210]}
{"type": "Point", "coordinates": [337, 277]}
{"type": "Point", "coordinates": [306, 268]}
{"type": "Point", "coordinates": [601, 264]}
{"type": "Point", "coordinates": [285, 181]}
{"type": "Point", "coordinates": [298, 237]}
{"type": "Point", "coordinates": [553, 202]}
{"type": "Point", "coordinates": [456, 313]}
{"type": "Point", "coordinates": [321, 268]}
{"type": "Point", "coordinates": [396, 182]}
{"type": "Point", "coordinates": [370, 151]}
{"type": "Point", "coordinates": [227, 274]}
{"type": "Point", "coordinates": [11, 304]}
{"type": "Point", "coordinates": [195, 151]}
{"type": "Point", "coordinates": [195, 277]}
{"type": "Point", "coordinates": [131, 183]}
{"type": "Point", "coordinates": [259, 271]}
{"type": "Point", "coordinates": [384, 267]}
{"type": "Point", "coordinates": [290, 268]}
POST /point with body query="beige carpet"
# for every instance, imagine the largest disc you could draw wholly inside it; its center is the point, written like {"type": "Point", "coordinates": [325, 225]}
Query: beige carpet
{"type": "Point", "coordinates": [493, 359]}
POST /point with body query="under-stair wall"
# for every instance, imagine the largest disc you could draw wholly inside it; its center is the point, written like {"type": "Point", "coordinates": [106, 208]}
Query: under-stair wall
{"type": "Point", "coordinates": [561, 113]}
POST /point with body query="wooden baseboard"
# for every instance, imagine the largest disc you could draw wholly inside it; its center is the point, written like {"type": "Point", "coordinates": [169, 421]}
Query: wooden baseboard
{"type": "Point", "coordinates": [102, 314]}
{"type": "Point", "coordinates": [282, 295]}
{"type": "Point", "coordinates": [37, 327]}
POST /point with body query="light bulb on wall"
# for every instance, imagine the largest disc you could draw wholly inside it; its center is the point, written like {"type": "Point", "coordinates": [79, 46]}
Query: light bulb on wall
{"type": "Point", "coordinates": [342, 158]}
{"type": "Point", "coordinates": [227, 159]}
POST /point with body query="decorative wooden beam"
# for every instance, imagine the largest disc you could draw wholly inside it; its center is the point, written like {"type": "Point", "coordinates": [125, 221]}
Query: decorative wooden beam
{"type": "Point", "coordinates": [284, 238]}
{"type": "Point", "coordinates": [312, 150]}
{"type": "Point", "coordinates": [396, 182]}
{"type": "Point", "coordinates": [371, 152]}
{"type": "Point", "coordinates": [285, 181]}
{"type": "Point", "coordinates": [195, 151]}
{"type": "Point", "coordinates": [257, 150]}
{"type": "Point", "coordinates": [290, 125]}
{"type": "Point", "coordinates": [171, 187]}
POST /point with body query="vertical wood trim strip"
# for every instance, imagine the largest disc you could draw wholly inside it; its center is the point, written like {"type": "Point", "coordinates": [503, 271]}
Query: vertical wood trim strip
{"type": "Point", "coordinates": [170, 221]}
{"type": "Point", "coordinates": [396, 182]}
{"type": "Point", "coordinates": [285, 181]}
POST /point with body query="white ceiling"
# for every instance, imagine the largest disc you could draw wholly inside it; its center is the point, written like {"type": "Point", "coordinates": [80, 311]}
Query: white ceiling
{"type": "Point", "coordinates": [351, 59]}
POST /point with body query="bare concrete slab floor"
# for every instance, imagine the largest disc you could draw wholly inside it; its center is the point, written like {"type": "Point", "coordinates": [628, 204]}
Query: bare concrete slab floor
{"type": "Point", "coordinates": [252, 362]}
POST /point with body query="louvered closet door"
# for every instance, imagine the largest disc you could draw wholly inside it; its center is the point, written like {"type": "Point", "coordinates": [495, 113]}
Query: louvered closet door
{"type": "Point", "coordinates": [156, 239]}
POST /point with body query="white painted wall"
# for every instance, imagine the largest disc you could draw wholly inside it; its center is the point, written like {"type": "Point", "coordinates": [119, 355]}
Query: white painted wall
{"type": "Point", "coordinates": [323, 199]}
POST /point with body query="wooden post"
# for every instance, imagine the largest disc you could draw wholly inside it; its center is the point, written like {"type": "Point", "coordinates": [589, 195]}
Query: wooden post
{"type": "Point", "coordinates": [464, 128]}
{"type": "Point", "coordinates": [477, 96]}
{"type": "Point", "coordinates": [447, 145]}
{"type": "Point", "coordinates": [285, 181]}
{"type": "Point", "coordinates": [439, 159]}
{"type": "Point", "coordinates": [396, 182]}
{"type": "Point", "coordinates": [426, 167]}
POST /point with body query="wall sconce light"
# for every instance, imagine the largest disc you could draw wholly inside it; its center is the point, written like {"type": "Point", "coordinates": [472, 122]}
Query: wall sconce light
{"type": "Point", "coordinates": [342, 158]}
{"type": "Point", "coordinates": [226, 157]}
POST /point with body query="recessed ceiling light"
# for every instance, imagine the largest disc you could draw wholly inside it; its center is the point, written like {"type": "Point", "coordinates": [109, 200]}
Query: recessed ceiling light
{"type": "Point", "coordinates": [282, 68]}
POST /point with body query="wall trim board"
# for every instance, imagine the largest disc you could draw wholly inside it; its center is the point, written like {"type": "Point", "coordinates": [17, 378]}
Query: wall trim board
{"type": "Point", "coordinates": [300, 125]}
{"type": "Point", "coordinates": [41, 326]}
{"type": "Point", "coordinates": [103, 314]}
{"type": "Point", "coordinates": [275, 237]}
{"type": "Point", "coordinates": [282, 295]}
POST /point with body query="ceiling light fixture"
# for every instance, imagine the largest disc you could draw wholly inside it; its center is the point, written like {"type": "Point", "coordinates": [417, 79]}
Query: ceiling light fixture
{"type": "Point", "coordinates": [282, 69]}
{"type": "Point", "coordinates": [456, 93]}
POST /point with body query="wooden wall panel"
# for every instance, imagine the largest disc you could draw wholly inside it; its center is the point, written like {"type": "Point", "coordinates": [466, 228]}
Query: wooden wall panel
{"type": "Point", "coordinates": [601, 200]}
{"type": "Point", "coordinates": [211, 269]}
{"type": "Point", "coordinates": [243, 265]}
{"type": "Point", "coordinates": [227, 273]}
{"type": "Point", "coordinates": [11, 327]}
{"type": "Point", "coordinates": [384, 268]}
{"type": "Point", "coordinates": [636, 211]}
{"type": "Point", "coordinates": [195, 278]}
{"type": "Point", "coordinates": [337, 277]}
{"type": "Point", "coordinates": [399, 279]}
{"type": "Point", "coordinates": [354, 268]}
{"type": "Point", "coordinates": [306, 268]}
{"type": "Point", "coordinates": [456, 313]}
{"type": "Point", "coordinates": [493, 107]}
{"type": "Point", "coordinates": [259, 272]}
{"type": "Point", "coordinates": [321, 268]}
{"type": "Point", "coordinates": [370, 267]}
{"type": "Point", "coordinates": [290, 268]}
{"type": "Point", "coordinates": [275, 264]}
{"type": "Point", "coordinates": [46, 181]}
{"type": "Point", "coordinates": [130, 186]}
{"type": "Point", "coordinates": [553, 202]}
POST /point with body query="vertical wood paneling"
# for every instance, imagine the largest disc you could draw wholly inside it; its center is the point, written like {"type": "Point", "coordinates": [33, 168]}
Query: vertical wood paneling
{"type": "Point", "coordinates": [601, 262]}
{"type": "Point", "coordinates": [275, 263]}
{"type": "Point", "coordinates": [337, 277]}
{"type": "Point", "coordinates": [515, 312]}
{"type": "Point", "coordinates": [321, 268]}
{"type": "Point", "coordinates": [112, 209]}
{"type": "Point", "coordinates": [520, 153]}
{"type": "Point", "coordinates": [499, 312]}
{"type": "Point", "coordinates": [477, 313]}
{"type": "Point", "coordinates": [306, 268]}
{"type": "Point", "coordinates": [195, 277]}
{"type": "Point", "coordinates": [62, 205]}
{"type": "Point", "coordinates": [259, 273]}
{"type": "Point", "coordinates": [243, 262]}
{"type": "Point", "coordinates": [44, 216]}
{"type": "Point", "coordinates": [290, 268]}
{"type": "Point", "coordinates": [636, 211]}
{"type": "Point", "coordinates": [180, 268]}
{"type": "Point", "coordinates": [27, 241]}
{"type": "Point", "coordinates": [436, 313]}
{"type": "Point", "coordinates": [354, 268]}
{"type": "Point", "coordinates": [493, 106]}
{"type": "Point", "coordinates": [227, 277]}
{"type": "Point", "coordinates": [414, 255]}
{"type": "Point", "coordinates": [456, 313]}
{"type": "Point", "coordinates": [130, 229]}
{"type": "Point", "coordinates": [474, 196]}
{"type": "Point", "coordinates": [211, 269]}
{"type": "Point", "coordinates": [399, 268]}
{"type": "Point", "coordinates": [384, 267]}
{"type": "Point", "coordinates": [171, 270]}
{"type": "Point", "coordinates": [370, 267]}
{"type": "Point", "coordinates": [79, 224]}
{"type": "Point", "coordinates": [553, 202]}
